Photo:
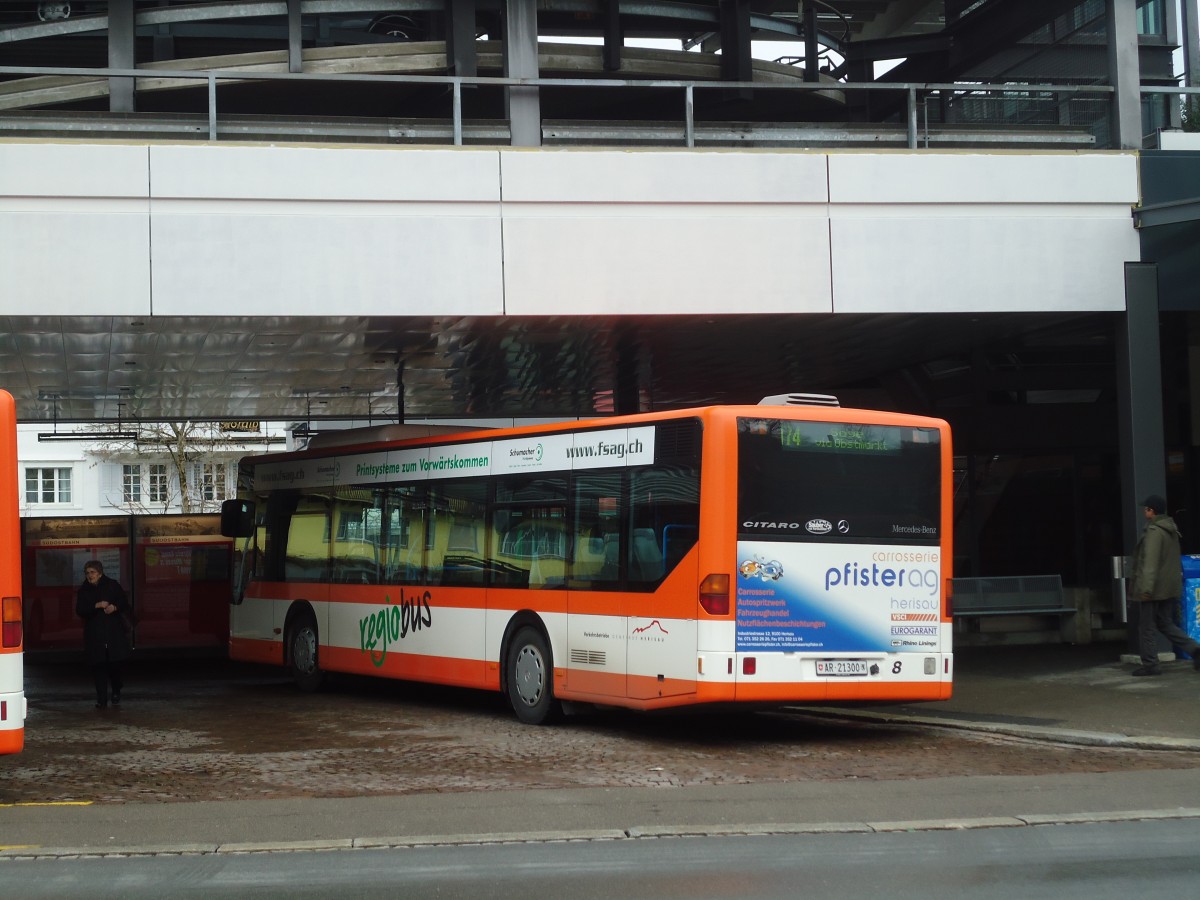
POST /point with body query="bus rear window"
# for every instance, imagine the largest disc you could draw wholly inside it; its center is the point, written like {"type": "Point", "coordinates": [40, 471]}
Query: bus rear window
{"type": "Point", "coordinates": [838, 482]}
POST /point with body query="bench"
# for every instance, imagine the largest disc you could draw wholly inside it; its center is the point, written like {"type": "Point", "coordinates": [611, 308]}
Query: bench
{"type": "Point", "coordinates": [1010, 595]}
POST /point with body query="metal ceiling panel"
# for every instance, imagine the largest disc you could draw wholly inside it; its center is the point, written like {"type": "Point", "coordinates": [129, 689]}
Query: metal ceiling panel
{"type": "Point", "coordinates": [75, 369]}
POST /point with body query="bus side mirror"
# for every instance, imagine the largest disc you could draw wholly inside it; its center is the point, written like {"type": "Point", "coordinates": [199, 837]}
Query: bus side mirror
{"type": "Point", "coordinates": [237, 518]}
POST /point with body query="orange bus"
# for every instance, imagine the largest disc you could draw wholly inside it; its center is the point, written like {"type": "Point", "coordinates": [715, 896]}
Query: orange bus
{"type": "Point", "coordinates": [12, 689]}
{"type": "Point", "coordinates": [766, 554]}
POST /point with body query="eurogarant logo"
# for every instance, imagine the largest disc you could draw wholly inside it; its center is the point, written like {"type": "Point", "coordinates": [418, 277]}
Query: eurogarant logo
{"type": "Point", "coordinates": [915, 630]}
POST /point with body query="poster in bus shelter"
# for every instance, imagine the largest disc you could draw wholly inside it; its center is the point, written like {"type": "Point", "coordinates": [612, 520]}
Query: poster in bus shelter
{"type": "Point", "coordinates": [837, 598]}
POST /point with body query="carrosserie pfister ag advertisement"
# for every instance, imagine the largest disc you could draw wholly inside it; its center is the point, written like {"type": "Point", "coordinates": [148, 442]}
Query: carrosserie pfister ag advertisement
{"type": "Point", "coordinates": [837, 598]}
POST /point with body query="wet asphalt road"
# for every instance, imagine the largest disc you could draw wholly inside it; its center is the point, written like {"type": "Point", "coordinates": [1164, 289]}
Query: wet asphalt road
{"type": "Point", "coordinates": [206, 729]}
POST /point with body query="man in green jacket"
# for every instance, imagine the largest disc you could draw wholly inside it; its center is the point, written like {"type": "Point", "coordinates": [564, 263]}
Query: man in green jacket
{"type": "Point", "coordinates": [1157, 585]}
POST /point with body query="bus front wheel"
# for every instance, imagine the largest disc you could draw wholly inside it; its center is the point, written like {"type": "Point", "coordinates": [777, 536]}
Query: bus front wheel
{"type": "Point", "coordinates": [302, 655]}
{"type": "Point", "coordinates": [530, 679]}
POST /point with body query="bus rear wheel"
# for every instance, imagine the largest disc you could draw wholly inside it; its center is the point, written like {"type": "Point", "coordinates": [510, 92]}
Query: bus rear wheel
{"type": "Point", "coordinates": [302, 655]}
{"type": "Point", "coordinates": [530, 678]}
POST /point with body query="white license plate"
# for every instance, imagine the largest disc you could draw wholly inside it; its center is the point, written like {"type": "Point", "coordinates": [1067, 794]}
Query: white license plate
{"type": "Point", "coordinates": [841, 667]}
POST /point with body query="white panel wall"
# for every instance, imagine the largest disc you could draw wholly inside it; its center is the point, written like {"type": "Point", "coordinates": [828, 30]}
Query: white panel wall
{"type": "Point", "coordinates": [229, 229]}
{"type": "Point", "coordinates": [74, 229]}
{"type": "Point", "coordinates": [973, 263]}
{"type": "Point", "coordinates": [315, 231]}
{"type": "Point", "coordinates": [680, 232]}
{"type": "Point", "coordinates": [983, 178]}
{"type": "Point", "coordinates": [914, 232]}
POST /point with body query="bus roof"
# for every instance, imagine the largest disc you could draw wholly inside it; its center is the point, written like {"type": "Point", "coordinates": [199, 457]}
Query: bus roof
{"type": "Point", "coordinates": [376, 438]}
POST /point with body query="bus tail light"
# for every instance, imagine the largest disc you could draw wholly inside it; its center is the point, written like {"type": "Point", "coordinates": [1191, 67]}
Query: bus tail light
{"type": "Point", "coordinates": [749, 665]}
{"type": "Point", "coordinates": [949, 598]}
{"type": "Point", "coordinates": [11, 617]}
{"type": "Point", "coordinates": [714, 595]}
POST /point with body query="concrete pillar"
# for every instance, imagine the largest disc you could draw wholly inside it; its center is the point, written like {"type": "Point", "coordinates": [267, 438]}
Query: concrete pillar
{"type": "Point", "coordinates": [1124, 74]}
{"type": "Point", "coordinates": [295, 47]}
{"type": "Point", "coordinates": [737, 62]}
{"type": "Point", "coordinates": [1139, 411]}
{"type": "Point", "coordinates": [121, 54]}
{"type": "Point", "coordinates": [1140, 399]}
{"type": "Point", "coordinates": [460, 38]}
{"type": "Point", "coordinates": [812, 48]}
{"type": "Point", "coordinates": [522, 104]}
{"type": "Point", "coordinates": [614, 36]}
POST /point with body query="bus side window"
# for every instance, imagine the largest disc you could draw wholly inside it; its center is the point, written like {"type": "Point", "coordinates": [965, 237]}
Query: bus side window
{"type": "Point", "coordinates": [455, 553]}
{"type": "Point", "coordinates": [677, 541]}
{"type": "Point", "coordinates": [646, 563]}
{"type": "Point", "coordinates": [308, 540]}
{"type": "Point", "coordinates": [405, 513]}
{"type": "Point", "coordinates": [355, 544]}
{"type": "Point", "coordinates": [529, 545]}
{"type": "Point", "coordinates": [273, 533]}
{"type": "Point", "coordinates": [256, 559]}
{"type": "Point", "coordinates": [665, 516]}
{"type": "Point", "coordinates": [596, 563]}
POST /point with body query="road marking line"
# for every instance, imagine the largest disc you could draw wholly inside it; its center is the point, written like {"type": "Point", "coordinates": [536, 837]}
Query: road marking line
{"type": "Point", "coordinates": [47, 803]}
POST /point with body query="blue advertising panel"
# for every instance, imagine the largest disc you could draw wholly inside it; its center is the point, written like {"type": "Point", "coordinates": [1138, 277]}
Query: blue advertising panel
{"type": "Point", "coordinates": [1190, 620]}
{"type": "Point", "coordinates": [838, 598]}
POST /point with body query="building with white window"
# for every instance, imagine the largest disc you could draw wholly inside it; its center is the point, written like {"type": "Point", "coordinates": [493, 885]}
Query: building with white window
{"type": "Point", "coordinates": [165, 468]}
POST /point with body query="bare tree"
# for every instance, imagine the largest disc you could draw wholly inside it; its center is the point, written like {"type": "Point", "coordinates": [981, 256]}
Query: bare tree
{"type": "Point", "coordinates": [196, 457]}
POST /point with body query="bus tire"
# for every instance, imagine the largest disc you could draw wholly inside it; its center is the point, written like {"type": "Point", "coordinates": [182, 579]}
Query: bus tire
{"type": "Point", "coordinates": [303, 654]}
{"type": "Point", "coordinates": [530, 678]}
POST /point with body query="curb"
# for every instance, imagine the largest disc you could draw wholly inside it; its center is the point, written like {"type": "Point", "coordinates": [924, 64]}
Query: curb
{"type": "Point", "coordinates": [635, 833]}
{"type": "Point", "coordinates": [1031, 732]}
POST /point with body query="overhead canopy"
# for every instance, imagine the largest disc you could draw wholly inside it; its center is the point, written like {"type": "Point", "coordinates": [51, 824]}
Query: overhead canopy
{"type": "Point", "coordinates": [86, 369]}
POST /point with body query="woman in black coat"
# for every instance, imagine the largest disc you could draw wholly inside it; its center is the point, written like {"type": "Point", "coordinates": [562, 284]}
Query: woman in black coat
{"type": "Point", "coordinates": [102, 605]}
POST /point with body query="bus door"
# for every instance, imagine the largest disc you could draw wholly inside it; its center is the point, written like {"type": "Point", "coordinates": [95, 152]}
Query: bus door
{"type": "Point", "coordinates": [294, 566]}
{"type": "Point", "coordinates": [662, 574]}
{"type": "Point", "coordinates": [662, 619]}
{"type": "Point", "coordinates": [596, 617]}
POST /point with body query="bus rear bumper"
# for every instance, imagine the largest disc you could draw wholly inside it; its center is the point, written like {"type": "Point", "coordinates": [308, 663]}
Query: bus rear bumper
{"type": "Point", "coordinates": [13, 709]}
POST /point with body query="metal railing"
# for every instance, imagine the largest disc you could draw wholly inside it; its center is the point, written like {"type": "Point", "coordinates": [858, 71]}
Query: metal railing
{"type": "Point", "coordinates": [918, 97]}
